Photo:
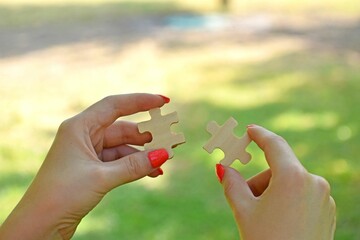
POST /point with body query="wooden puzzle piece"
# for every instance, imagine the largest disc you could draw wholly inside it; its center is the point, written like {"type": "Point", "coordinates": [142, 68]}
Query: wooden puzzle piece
{"type": "Point", "coordinates": [159, 127]}
{"type": "Point", "coordinates": [224, 139]}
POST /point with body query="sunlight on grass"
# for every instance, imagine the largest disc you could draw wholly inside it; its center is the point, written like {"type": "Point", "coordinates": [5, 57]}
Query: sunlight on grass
{"type": "Point", "coordinates": [166, 232]}
{"type": "Point", "coordinates": [285, 79]}
{"type": "Point", "coordinates": [344, 133]}
{"type": "Point", "coordinates": [215, 156]}
{"type": "Point", "coordinates": [205, 80]}
{"type": "Point", "coordinates": [95, 224]}
{"type": "Point", "coordinates": [340, 166]}
{"type": "Point", "coordinates": [256, 95]}
{"type": "Point", "coordinates": [298, 121]}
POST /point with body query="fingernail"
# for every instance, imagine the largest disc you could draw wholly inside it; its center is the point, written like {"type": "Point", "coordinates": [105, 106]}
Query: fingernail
{"type": "Point", "coordinates": [158, 157]}
{"type": "Point", "coordinates": [251, 125]}
{"type": "Point", "coordinates": [161, 172]}
{"type": "Point", "coordinates": [166, 99]}
{"type": "Point", "coordinates": [220, 171]}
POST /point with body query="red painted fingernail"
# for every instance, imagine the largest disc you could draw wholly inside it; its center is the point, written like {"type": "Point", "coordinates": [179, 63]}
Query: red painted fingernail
{"type": "Point", "coordinates": [166, 99]}
{"type": "Point", "coordinates": [158, 157]}
{"type": "Point", "coordinates": [161, 172]}
{"type": "Point", "coordinates": [220, 171]}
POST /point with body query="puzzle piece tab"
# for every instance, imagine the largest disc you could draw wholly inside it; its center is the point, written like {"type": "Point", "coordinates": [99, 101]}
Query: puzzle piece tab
{"type": "Point", "coordinates": [224, 139]}
{"type": "Point", "coordinates": [159, 127]}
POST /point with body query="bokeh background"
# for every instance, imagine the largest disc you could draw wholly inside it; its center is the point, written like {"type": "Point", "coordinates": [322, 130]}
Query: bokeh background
{"type": "Point", "coordinates": [291, 66]}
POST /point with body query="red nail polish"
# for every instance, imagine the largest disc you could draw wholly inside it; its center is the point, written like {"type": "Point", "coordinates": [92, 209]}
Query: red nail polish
{"type": "Point", "coordinates": [161, 172]}
{"type": "Point", "coordinates": [220, 171]}
{"type": "Point", "coordinates": [166, 99]}
{"type": "Point", "coordinates": [158, 157]}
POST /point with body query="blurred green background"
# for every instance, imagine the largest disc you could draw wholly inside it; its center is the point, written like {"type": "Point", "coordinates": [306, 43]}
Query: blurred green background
{"type": "Point", "coordinates": [291, 66]}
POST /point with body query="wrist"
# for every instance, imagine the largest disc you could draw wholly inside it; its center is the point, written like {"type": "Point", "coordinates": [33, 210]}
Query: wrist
{"type": "Point", "coordinates": [35, 217]}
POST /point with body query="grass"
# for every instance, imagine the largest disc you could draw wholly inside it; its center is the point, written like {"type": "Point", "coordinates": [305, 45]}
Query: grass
{"type": "Point", "coordinates": [304, 92]}
{"type": "Point", "coordinates": [20, 13]}
{"type": "Point", "coordinates": [64, 13]}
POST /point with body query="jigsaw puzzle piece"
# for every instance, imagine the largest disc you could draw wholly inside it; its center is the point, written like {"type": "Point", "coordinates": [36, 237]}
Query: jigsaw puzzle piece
{"type": "Point", "coordinates": [235, 149]}
{"type": "Point", "coordinates": [219, 134]}
{"type": "Point", "coordinates": [159, 127]}
{"type": "Point", "coordinates": [224, 139]}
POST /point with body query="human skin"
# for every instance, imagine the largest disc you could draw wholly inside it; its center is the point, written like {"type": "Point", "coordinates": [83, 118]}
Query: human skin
{"type": "Point", "coordinates": [87, 159]}
{"type": "Point", "coordinates": [283, 202]}
{"type": "Point", "coordinates": [90, 157]}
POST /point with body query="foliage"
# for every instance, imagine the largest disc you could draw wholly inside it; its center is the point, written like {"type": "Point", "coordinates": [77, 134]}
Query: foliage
{"type": "Point", "coordinates": [302, 84]}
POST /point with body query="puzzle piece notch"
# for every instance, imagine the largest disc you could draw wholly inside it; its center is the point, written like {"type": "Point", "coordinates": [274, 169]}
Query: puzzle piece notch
{"type": "Point", "coordinates": [224, 139]}
{"type": "Point", "coordinates": [159, 127]}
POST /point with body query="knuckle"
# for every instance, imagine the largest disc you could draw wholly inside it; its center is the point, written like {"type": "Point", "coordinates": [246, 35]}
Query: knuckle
{"type": "Point", "coordinates": [273, 140]}
{"type": "Point", "coordinates": [228, 187]}
{"type": "Point", "coordinates": [298, 180]}
{"type": "Point", "coordinates": [67, 126]}
{"type": "Point", "coordinates": [107, 98]}
{"type": "Point", "coordinates": [126, 132]}
{"type": "Point", "coordinates": [73, 125]}
{"type": "Point", "coordinates": [277, 137]}
{"type": "Point", "coordinates": [133, 166]}
{"type": "Point", "coordinates": [323, 185]}
{"type": "Point", "coordinates": [99, 175]}
{"type": "Point", "coordinates": [332, 204]}
{"type": "Point", "coordinates": [278, 140]}
{"type": "Point", "coordinates": [299, 173]}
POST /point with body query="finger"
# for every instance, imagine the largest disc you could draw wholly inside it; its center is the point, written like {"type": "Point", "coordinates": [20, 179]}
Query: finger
{"type": "Point", "coordinates": [333, 228]}
{"type": "Point", "coordinates": [332, 208]}
{"type": "Point", "coordinates": [259, 182]}
{"type": "Point", "coordinates": [123, 132]}
{"type": "Point", "coordinates": [111, 154]}
{"type": "Point", "coordinates": [236, 189]}
{"type": "Point", "coordinates": [134, 166]}
{"type": "Point", "coordinates": [156, 173]}
{"type": "Point", "coordinates": [278, 153]}
{"type": "Point", "coordinates": [107, 110]}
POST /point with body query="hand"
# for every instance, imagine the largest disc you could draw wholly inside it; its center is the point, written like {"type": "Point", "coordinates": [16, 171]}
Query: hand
{"type": "Point", "coordinates": [283, 202]}
{"type": "Point", "coordinates": [88, 158]}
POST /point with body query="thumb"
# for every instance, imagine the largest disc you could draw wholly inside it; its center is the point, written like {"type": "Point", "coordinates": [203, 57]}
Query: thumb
{"type": "Point", "coordinates": [236, 189]}
{"type": "Point", "coordinates": [134, 166]}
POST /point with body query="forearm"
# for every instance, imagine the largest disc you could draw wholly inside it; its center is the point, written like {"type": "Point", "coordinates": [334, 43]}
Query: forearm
{"type": "Point", "coordinates": [32, 218]}
{"type": "Point", "coordinates": [85, 161]}
{"type": "Point", "coordinates": [19, 225]}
